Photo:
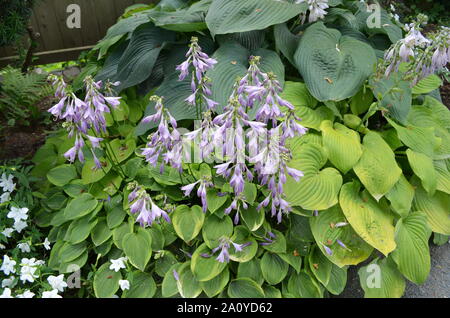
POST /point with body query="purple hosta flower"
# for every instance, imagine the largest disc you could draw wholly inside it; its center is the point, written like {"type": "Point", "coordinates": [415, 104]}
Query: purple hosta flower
{"type": "Point", "coordinates": [142, 204]}
{"type": "Point", "coordinates": [200, 83]}
{"type": "Point", "coordinates": [316, 213]}
{"type": "Point", "coordinates": [268, 240]}
{"type": "Point", "coordinates": [343, 245]}
{"type": "Point", "coordinates": [165, 144]}
{"type": "Point", "coordinates": [59, 84]}
{"type": "Point", "coordinates": [203, 136]}
{"type": "Point", "coordinates": [224, 247]}
{"type": "Point", "coordinates": [201, 191]}
{"type": "Point", "coordinates": [327, 249]}
{"type": "Point", "coordinates": [175, 275]}
{"type": "Point", "coordinates": [236, 204]}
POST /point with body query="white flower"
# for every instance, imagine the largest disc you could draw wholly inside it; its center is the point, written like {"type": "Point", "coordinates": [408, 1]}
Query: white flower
{"type": "Point", "coordinates": [19, 226]}
{"type": "Point", "coordinates": [51, 294]}
{"type": "Point", "coordinates": [26, 294]}
{"type": "Point", "coordinates": [8, 282]}
{"type": "Point", "coordinates": [7, 183]}
{"type": "Point", "coordinates": [6, 293]}
{"type": "Point", "coordinates": [117, 264]}
{"type": "Point", "coordinates": [124, 284]}
{"type": "Point", "coordinates": [2, 247]}
{"type": "Point", "coordinates": [316, 9]}
{"type": "Point", "coordinates": [57, 282]}
{"type": "Point", "coordinates": [7, 232]}
{"type": "Point", "coordinates": [27, 272]}
{"type": "Point", "coordinates": [47, 244]}
{"type": "Point", "coordinates": [5, 197]}
{"type": "Point", "coordinates": [8, 265]}
{"type": "Point", "coordinates": [18, 214]}
{"type": "Point", "coordinates": [24, 247]}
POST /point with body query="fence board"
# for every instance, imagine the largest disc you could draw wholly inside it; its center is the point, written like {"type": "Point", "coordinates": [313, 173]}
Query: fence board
{"type": "Point", "coordinates": [59, 43]}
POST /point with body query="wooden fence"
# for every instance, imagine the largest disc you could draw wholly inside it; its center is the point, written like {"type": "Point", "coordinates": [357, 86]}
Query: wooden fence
{"type": "Point", "coordinates": [59, 43]}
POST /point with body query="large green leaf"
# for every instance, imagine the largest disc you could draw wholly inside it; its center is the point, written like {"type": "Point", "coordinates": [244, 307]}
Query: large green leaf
{"type": "Point", "coordinates": [286, 41]}
{"type": "Point", "coordinates": [142, 285]}
{"type": "Point", "coordinates": [80, 206]}
{"type": "Point", "coordinates": [436, 208]}
{"type": "Point", "coordinates": [216, 285]}
{"type": "Point", "coordinates": [371, 221]}
{"type": "Point", "coordinates": [412, 254]}
{"type": "Point", "coordinates": [357, 249]}
{"type": "Point", "coordinates": [215, 228]}
{"type": "Point", "coordinates": [338, 280]}
{"type": "Point", "coordinates": [318, 189]}
{"type": "Point", "coordinates": [343, 145]}
{"type": "Point", "coordinates": [244, 288]}
{"type": "Point", "coordinates": [122, 149]}
{"type": "Point", "coordinates": [140, 56]}
{"type": "Point", "coordinates": [62, 175]}
{"type": "Point", "coordinates": [106, 281]}
{"type": "Point", "coordinates": [303, 285]}
{"type": "Point", "coordinates": [401, 196]}
{"type": "Point", "coordinates": [273, 268]}
{"type": "Point", "coordinates": [188, 285]}
{"type": "Point", "coordinates": [443, 176]}
{"type": "Point", "coordinates": [381, 279]}
{"type": "Point", "coordinates": [423, 167]}
{"type": "Point", "coordinates": [184, 20]}
{"type": "Point", "coordinates": [230, 16]}
{"type": "Point", "coordinates": [377, 169]}
{"type": "Point", "coordinates": [334, 66]}
{"type": "Point", "coordinates": [138, 248]}
{"type": "Point", "coordinates": [187, 221]}
{"type": "Point", "coordinates": [320, 266]}
{"type": "Point", "coordinates": [205, 268]}
{"type": "Point", "coordinates": [427, 84]}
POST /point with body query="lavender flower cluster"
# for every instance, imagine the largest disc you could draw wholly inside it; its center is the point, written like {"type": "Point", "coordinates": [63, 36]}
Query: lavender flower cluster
{"type": "Point", "coordinates": [84, 117]}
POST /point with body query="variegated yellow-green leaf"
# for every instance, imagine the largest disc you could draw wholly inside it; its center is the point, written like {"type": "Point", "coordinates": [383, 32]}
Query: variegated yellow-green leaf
{"type": "Point", "coordinates": [338, 280]}
{"type": "Point", "coordinates": [377, 169]}
{"type": "Point", "coordinates": [401, 196]}
{"type": "Point", "coordinates": [422, 166]}
{"type": "Point", "coordinates": [381, 279]}
{"type": "Point", "coordinates": [205, 268]}
{"type": "Point", "coordinates": [187, 221]}
{"type": "Point", "coordinates": [318, 189]}
{"type": "Point", "coordinates": [342, 145]}
{"type": "Point", "coordinates": [443, 176]}
{"type": "Point", "coordinates": [436, 208]}
{"type": "Point", "coordinates": [412, 254]}
{"type": "Point", "coordinates": [357, 249]}
{"type": "Point", "coordinates": [367, 217]}
{"type": "Point", "coordinates": [320, 266]}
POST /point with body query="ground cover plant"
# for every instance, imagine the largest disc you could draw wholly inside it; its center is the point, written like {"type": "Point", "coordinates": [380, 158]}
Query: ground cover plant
{"type": "Point", "coordinates": [250, 148]}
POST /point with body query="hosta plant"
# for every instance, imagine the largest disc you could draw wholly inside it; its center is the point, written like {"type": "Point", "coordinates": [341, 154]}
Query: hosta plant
{"type": "Point", "coordinates": [249, 149]}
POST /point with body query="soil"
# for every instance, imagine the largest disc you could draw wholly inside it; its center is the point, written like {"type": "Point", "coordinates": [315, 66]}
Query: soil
{"type": "Point", "coordinates": [24, 141]}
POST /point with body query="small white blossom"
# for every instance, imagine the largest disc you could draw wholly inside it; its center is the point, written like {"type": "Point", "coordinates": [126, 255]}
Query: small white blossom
{"type": "Point", "coordinates": [8, 231]}
{"type": "Point", "coordinates": [7, 183]}
{"type": "Point", "coordinates": [26, 294]}
{"type": "Point", "coordinates": [5, 197]}
{"type": "Point", "coordinates": [19, 226]}
{"type": "Point", "coordinates": [24, 247]}
{"type": "Point", "coordinates": [57, 282]}
{"type": "Point", "coordinates": [18, 214]}
{"type": "Point", "coordinates": [117, 264]}
{"type": "Point", "coordinates": [8, 265]}
{"type": "Point", "coordinates": [6, 293]}
{"type": "Point", "coordinates": [316, 9]}
{"type": "Point", "coordinates": [51, 294]}
{"type": "Point", "coordinates": [124, 284]}
{"type": "Point", "coordinates": [8, 282]}
{"type": "Point", "coordinates": [47, 244]}
{"type": "Point", "coordinates": [28, 270]}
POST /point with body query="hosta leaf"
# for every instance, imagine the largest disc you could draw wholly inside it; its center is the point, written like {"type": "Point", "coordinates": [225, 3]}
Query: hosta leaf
{"type": "Point", "coordinates": [106, 281]}
{"type": "Point", "coordinates": [140, 56]}
{"type": "Point", "coordinates": [357, 249]}
{"type": "Point", "coordinates": [214, 228]}
{"type": "Point", "coordinates": [142, 285]}
{"type": "Point", "coordinates": [320, 266]}
{"type": "Point", "coordinates": [62, 175]}
{"type": "Point", "coordinates": [251, 40]}
{"type": "Point", "coordinates": [343, 145]}
{"type": "Point", "coordinates": [122, 149]}
{"type": "Point", "coordinates": [317, 190]}
{"type": "Point", "coordinates": [338, 280]}
{"type": "Point", "coordinates": [205, 268]}
{"type": "Point", "coordinates": [381, 279]}
{"type": "Point", "coordinates": [430, 113]}
{"type": "Point", "coordinates": [138, 248]}
{"type": "Point", "coordinates": [90, 173]}
{"type": "Point", "coordinates": [169, 286]}
{"type": "Point", "coordinates": [377, 169]}
{"type": "Point", "coordinates": [334, 66]}
{"type": "Point", "coordinates": [427, 84]}
{"type": "Point", "coordinates": [372, 223]}
{"type": "Point", "coordinates": [79, 229]}
{"type": "Point", "coordinates": [100, 233]}
{"type": "Point", "coordinates": [185, 20]}
{"type": "Point", "coordinates": [436, 208]}
{"type": "Point", "coordinates": [244, 288]}
{"type": "Point", "coordinates": [304, 286]}
{"type": "Point", "coordinates": [187, 221]}
{"type": "Point", "coordinates": [252, 270]}
{"type": "Point", "coordinates": [215, 201]}
{"type": "Point", "coordinates": [80, 206]}
{"type": "Point", "coordinates": [188, 285]}
{"type": "Point", "coordinates": [286, 41]}
{"type": "Point", "coordinates": [423, 167]}
{"type": "Point", "coordinates": [241, 236]}
{"type": "Point", "coordinates": [443, 176]}
{"type": "Point", "coordinates": [216, 285]}
{"type": "Point", "coordinates": [230, 16]}
{"type": "Point", "coordinates": [401, 196]}
{"type": "Point", "coordinates": [273, 268]}
{"type": "Point", "coordinates": [412, 254]}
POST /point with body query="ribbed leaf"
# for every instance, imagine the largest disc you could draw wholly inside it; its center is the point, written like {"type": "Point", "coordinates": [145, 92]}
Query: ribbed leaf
{"type": "Point", "coordinates": [377, 169]}
{"type": "Point", "coordinates": [426, 85]}
{"type": "Point", "coordinates": [412, 254]}
{"type": "Point", "coordinates": [357, 249]}
{"type": "Point", "coordinates": [338, 280]}
{"type": "Point", "coordinates": [367, 217]}
{"type": "Point", "coordinates": [423, 167]}
{"type": "Point", "coordinates": [244, 288]}
{"type": "Point", "coordinates": [334, 66]}
{"type": "Point", "coordinates": [286, 41]}
{"type": "Point", "coordinates": [401, 196]}
{"type": "Point", "coordinates": [343, 145]}
{"type": "Point", "coordinates": [230, 16]}
{"type": "Point", "coordinates": [317, 190]}
{"type": "Point", "coordinates": [443, 176]}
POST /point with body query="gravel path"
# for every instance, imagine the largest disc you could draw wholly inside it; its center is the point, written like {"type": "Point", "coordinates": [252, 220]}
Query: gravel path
{"type": "Point", "coordinates": [436, 286]}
